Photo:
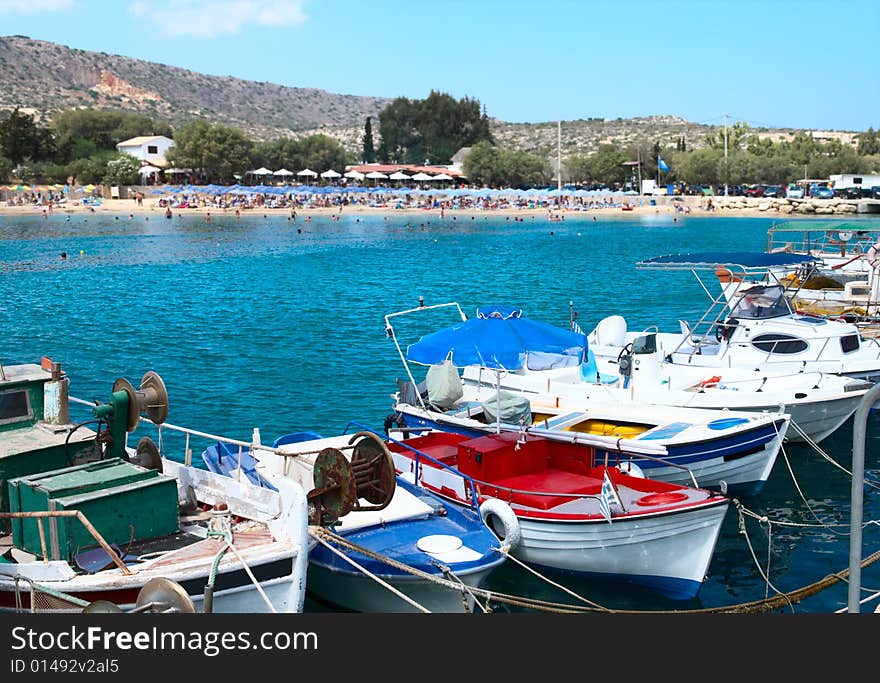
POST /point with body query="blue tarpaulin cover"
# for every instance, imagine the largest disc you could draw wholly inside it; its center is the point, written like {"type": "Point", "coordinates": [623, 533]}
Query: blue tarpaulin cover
{"type": "Point", "coordinates": [499, 338]}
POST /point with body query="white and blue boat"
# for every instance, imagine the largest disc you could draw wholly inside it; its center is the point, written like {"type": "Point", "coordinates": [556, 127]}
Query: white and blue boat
{"type": "Point", "coordinates": [449, 546]}
{"type": "Point", "coordinates": [731, 451]}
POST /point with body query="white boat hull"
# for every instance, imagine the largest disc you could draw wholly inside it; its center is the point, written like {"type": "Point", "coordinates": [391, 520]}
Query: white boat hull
{"type": "Point", "coordinates": [670, 552]}
{"type": "Point", "coordinates": [817, 414]}
{"type": "Point", "coordinates": [359, 593]}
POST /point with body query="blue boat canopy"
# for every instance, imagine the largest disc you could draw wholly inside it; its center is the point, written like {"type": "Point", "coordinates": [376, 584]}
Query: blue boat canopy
{"type": "Point", "coordinates": [499, 337]}
{"type": "Point", "coordinates": [714, 259]}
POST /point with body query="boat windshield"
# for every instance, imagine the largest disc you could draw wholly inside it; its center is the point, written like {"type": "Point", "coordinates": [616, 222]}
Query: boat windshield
{"type": "Point", "coordinates": [761, 302]}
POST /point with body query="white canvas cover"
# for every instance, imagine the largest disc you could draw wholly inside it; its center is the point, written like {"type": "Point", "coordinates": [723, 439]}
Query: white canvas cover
{"type": "Point", "coordinates": [443, 385]}
{"type": "Point", "coordinates": [514, 407]}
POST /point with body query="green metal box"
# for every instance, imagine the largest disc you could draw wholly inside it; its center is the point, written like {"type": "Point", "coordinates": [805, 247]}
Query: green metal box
{"type": "Point", "coordinates": [123, 501]}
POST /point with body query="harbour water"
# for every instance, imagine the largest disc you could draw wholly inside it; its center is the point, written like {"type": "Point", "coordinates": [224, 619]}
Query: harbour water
{"type": "Point", "coordinates": [278, 324]}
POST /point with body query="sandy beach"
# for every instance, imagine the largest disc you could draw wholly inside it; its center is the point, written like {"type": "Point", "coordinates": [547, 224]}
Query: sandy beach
{"type": "Point", "coordinates": [689, 206]}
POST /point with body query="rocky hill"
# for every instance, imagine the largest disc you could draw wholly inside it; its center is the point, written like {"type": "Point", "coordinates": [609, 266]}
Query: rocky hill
{"type": "Point", "coordinates": [585, 135]}
{"type": "Point", "coordinates": [46, 77]}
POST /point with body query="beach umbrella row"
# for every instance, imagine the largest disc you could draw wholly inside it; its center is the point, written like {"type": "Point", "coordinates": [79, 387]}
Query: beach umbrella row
{"type": "Point", "coordinates": [485, 193]}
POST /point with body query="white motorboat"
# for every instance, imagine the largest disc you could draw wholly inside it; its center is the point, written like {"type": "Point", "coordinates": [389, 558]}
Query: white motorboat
{"type": "Point", "coordinates": [566, 374]}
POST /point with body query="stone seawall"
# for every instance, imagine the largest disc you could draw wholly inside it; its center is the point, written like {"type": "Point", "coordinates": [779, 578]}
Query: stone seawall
{"type": "Point", "coordinates": [758, 205]}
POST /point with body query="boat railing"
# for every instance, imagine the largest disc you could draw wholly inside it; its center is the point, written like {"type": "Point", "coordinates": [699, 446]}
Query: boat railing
{"type": "Point", "coordinates": [804, 237]}
{"type": "Point", "coordinates": [252, 445]}
{"type": "Point", "coordinates": [389, 331]}
{"type": "Point", "coordinates": [40, 515]}
{"type": "Point", "coordinates": [419, 456]}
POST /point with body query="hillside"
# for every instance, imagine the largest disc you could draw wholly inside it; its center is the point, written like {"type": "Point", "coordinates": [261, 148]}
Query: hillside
{"type": "Point", "coordinates": [44, 78]}
{"type": "Point", "coordinates": [47, 77]}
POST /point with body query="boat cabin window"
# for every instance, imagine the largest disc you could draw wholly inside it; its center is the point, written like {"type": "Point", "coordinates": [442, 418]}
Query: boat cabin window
{"type": "Point", "coordinates": [779, 343]}
{"type": "Point", "coordinates": [647, 343]}
{"type": "Point", "coordinates": [760, 303]}
{"type": "Point", "coordinates": [14, 406]}
{"type": "Point", "coordinates": [849, 343]}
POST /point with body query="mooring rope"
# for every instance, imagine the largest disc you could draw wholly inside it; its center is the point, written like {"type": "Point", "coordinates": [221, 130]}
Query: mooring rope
{"type": "Point", "coordinates": [547, 579]}
{"type": "Point", "coordinates": [824, 454]}
{"type": "Point", "coordinates": [780, 601]}
{"type": "Point", "coordinates": [744, 531]}
{"type": "Point", "coordinates": [801, 493]}
{"type": "Point", "coordinates": [313, 532]}
{"type": "Point", "coordinates": [465, 589]}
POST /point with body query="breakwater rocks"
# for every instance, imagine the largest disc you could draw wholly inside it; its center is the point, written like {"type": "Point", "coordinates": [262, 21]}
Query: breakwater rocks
{"type": "Point", "coordinates": [787, 206]}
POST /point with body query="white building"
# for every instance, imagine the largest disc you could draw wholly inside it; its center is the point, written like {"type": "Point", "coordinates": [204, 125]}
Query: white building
{"type": "Point", "coordinates": [150, 149]}
{"type": "Point", "coordinates": [859, 180]}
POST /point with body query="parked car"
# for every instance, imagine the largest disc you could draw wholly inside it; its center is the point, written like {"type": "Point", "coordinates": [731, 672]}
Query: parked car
{"type": "Point", "coordinates": [773, 191]}
{"type": "Point", "coordinates": [848, 192]}
{"type": "Point", "coordinates": [821, 192]}
{"type": "Point", "coordinates": [732, 190]}
{"type": "Point", "coordinates": [875, 192]}
{"type": "Point", "coordinates": [796, 192]}
{"type": "Point", "coordinates": [755, 191]}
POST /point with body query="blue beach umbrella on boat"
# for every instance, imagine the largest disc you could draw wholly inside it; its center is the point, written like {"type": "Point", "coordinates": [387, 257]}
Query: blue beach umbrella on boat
{"type": "Point", "coordinates": [499, 338]}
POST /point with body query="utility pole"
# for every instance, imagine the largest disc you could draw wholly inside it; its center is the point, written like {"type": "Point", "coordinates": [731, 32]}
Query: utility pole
{"type": "Point", "coordinates": [725, 155]}
{"type": "Point", "coordinates": [559, 164]}
{"type": "Point", "coordinates": [639, 159]}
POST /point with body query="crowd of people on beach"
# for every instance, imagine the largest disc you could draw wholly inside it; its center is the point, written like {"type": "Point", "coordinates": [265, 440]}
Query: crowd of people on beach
{"type": "Point", "coordinates": [391, 201]}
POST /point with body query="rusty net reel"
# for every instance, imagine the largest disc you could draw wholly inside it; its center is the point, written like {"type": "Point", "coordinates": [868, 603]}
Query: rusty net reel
{"type": "Point", "coordinates": [342, 484]}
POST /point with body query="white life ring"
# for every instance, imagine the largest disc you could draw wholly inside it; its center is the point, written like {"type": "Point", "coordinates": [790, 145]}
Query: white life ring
{"type": "Point", "coordinates": [873, 256]}
{"type": "Point", "coordinates": [512, 534]}
{"type": "Point", "coordinates": [845, 235]}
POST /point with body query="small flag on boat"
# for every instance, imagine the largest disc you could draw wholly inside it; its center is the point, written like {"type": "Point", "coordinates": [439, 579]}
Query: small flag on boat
{"type": "Point", "coordinates": [662, 165]}
{"type": "Point", "coordinates": [576, 328]}
{"type": "Point", "coordinates": [607, 497]}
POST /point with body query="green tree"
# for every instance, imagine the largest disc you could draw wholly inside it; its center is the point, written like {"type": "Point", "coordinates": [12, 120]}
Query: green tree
{"type": "Point", "coordinates": [578, 166]}
{"type": "Point", "coordinates": [21, 138]}
{"type": "Point", "coordinates": [702, 166]}
{"type": "Point", "coordinates": [519, 169]}
{"type": "Point", "coordinates": [490, 166]}
{"type": "Point", "coordinates": [482, 165]}
{"type": "Point", "coordinates": [869, 143]}
{"type": "Point", "coordinates": [321, 153]}
{"type": "Point", "coordinates": [6, 167]}
{"type": "Point", "coordinates": [434, 128]}
{"type": "Point", "coordinates": [737, 134]}
{"type": "Point", "coordinates": [369, 152]}
{"type": "Point", "coordinates": [215, 152]}
{"type": "Point", "coordinates": [606, 165]}
{"type": "Point", "coordinates": [103, 128]}
{"type": "Point", "coordinates": [86, 171]}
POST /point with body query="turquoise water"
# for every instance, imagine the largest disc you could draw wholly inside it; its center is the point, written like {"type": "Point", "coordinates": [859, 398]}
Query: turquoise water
{"type": "Point", "coordinates": [270, 323]}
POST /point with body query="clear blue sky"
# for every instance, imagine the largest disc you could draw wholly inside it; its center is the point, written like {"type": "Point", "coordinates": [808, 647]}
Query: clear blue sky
{"type": "Point", "coordinates": [780, 63]}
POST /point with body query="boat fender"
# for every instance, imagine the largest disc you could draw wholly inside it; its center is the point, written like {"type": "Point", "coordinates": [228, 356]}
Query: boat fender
{"type": "Point", "coordinates": [873, 256]}
{"type": "Point", "coordinates": [630, 468]}
{"type": "Point", "coordinates": [512, 534]}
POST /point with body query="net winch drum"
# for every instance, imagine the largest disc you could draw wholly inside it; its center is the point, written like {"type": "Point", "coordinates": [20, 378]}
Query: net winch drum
{"type": "Point", "coordinates": [341, 484]}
